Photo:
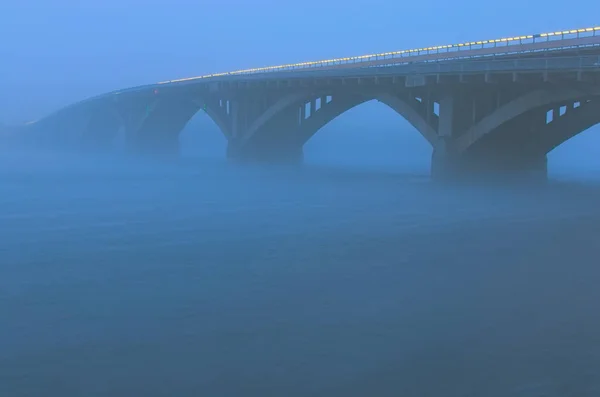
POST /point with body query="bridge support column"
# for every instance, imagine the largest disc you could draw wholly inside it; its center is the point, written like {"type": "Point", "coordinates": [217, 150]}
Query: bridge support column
{"type": "Point", "coordinates": [449, 166]}
{"type": "Point", "coordinates": [445, 163]}
{"type": "Point", "coordinates": [272, 143]}
{"type": "Point", "coordinates": [444, 159]}
{"type": "Point", "coordinates": [509, 153]}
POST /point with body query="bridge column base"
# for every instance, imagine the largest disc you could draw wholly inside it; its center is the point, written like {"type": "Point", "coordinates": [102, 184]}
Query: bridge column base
{"type": "Point", "coordinates": [445, 166]}
{"type": "Point", "coordinates": [508, 168]}
{"type": "Point", "coordinates": [284, 155]}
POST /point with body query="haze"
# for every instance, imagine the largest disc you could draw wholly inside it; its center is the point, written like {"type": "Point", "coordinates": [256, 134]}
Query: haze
{"type": "Point", "coordinates": [353, 275]}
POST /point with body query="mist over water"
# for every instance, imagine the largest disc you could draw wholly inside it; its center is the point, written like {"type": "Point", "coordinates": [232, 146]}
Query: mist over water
{"type": "Point", "coordinates": [123, 277]}
{"type": "Point", "coordinates": [350, 276]}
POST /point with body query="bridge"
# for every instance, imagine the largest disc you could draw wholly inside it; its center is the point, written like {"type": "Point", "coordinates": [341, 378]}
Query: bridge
{"type": "Point", "coordinates": [490, 106]}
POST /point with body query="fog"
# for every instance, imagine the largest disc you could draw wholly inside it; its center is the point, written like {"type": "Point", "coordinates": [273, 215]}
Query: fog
{"type": "Point", "coordinates": [127, 277]}
{"type": "Point", "coordinates": [351, 275]}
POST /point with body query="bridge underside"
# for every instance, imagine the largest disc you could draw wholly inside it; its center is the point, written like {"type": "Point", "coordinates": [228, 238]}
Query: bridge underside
{"type": "Point", "coordinates": [500, 131]}
{"type": "Point", "coordinates": [480, 125]}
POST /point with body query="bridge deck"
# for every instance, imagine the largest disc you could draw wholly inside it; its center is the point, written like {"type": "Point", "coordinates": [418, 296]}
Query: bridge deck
{"type": "Point", "coordinates": [457, 66]}
{"type": "Point", "coordinates": [575, 63]}
{"type": "Point", "coordinates": [523, 46]}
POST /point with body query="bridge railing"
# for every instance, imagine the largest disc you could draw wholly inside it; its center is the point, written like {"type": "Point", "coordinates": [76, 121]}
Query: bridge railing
{"type": "Point", "coordinates": [512, 65]}
{"type": "Point", "coordinates": [481, 65]}
{"type": "Point", "coordinates": [543, 41]}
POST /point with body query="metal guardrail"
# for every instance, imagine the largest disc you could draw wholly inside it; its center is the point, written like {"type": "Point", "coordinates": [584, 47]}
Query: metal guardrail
{"type": "Point", "coordinates": [450, 50]}
{"type": "Point", "coordinates": [461, 66]}
{"type": "Point", "coordinates": [513, 65]}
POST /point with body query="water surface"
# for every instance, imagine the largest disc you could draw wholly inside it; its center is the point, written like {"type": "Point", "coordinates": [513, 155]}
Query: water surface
{"type": "Point", "coordinates": [125, 279]}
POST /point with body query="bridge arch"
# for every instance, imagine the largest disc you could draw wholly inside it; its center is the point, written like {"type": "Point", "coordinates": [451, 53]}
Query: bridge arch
{"type": "Point", "coordinates": [337, 108]}
{"type": "Point", "coordinates": [517, 136]}
{"type": "Point", "coordinates": [104, 126]}
{"type": "Point", "coordinates": [574, 122]}
{"type": "Point", "coordinates": [284, 112]}
{"type": "Point", "coordinates": [89, 125]}
{"type": "Point", "coordinates": [535, 101]}
{"type": "Point", "coordinates": [283, 104]}
{"type": "Point", "coordinates": [207, 131]}
{"type": "Point", "coordinates": [217, 114]}
{"type": "Point", "coordinates": [155, 127]}
{"type": "Point", "coordinates": [141, 121]}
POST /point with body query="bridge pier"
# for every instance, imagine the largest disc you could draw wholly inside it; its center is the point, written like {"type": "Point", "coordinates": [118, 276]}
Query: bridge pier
{"type": "Point", "coordinates": [509, 146]}
{"type": "Point", "coordinates": [444, 166]}
{"type": "Point", "coordinates": [506, 167]}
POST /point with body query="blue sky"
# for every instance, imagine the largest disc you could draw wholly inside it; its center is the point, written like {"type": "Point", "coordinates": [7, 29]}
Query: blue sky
{"type": "Point", "coordinates": [55, 52]}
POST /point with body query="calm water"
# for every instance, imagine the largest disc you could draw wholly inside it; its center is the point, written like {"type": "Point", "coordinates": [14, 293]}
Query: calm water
{"type": "Point", "coordinates": [211, 280]}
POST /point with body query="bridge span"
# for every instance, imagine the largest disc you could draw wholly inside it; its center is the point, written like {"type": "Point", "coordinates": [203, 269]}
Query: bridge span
{"type": "Point", "coordinates": [490, 106]}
